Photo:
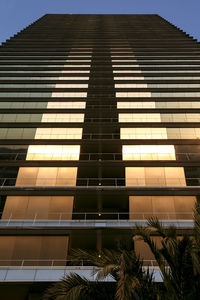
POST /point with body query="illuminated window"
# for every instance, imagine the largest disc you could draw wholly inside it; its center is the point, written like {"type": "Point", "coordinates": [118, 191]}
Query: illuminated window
{"type": "Point", "coordinates": [35, 60]}
{"type": "Point", "coordinates": [46, 176]}
{"type": "Point", "coordinates": [129, 78]}
{"type": "Point", "coordinates": [41, 207]}
{"type": "Point", "coordinates": [155, 176]}
{"type": "Point", "coordinates": [140, 117]}
{"type": "Point", "coordinates": [143, 133]}
{"type": "Point", "coordinates": [44, 85]}
{"type": "Point", "coordinates": [74, 71]}
{"type": "Point", "coordinates": [59, 118]}
{"type": "Point", "coordinates": [77, 60]}
{"type": "Point", "coordinates": [53, 152]}
{"type": "Point", "coordinates": [162, 207]}
{"type": "Point", "coordinates": [71, 86]}
{"type": "Point", "coordinates": [71, 78]}
{"type": "Point", "coordinates": [76, 66]}
{"type": "Point", "coordinates": [136, 105]}
{"type": "Point", "coordinates": [124, 60]}
{"type": "Point", "coordinates": [66, 105]}
{"type": "Point", "coordinates": [133, 94]}
{"type": "Point", "coordinates": [122, 51]}
{"type": "Point", "coordinates": [125, 66]}
{"type": "Point", "coordinates": [79, 95]}
{"type": "Point", "coordinates": [160, 133]}
{"type": "Point", "coordinates": [79, 55]}
{"type": "Point", "coordinates": [46, 72]}
{"type": "Point", "coordinates": [46, 66]}
{"type": "Point", "coordinates": [58, 133]}
{"type": "Point", "coordinates": [127, 71]}
{"type": "Point", "coordinates": [131, 85]}
{"type": "Point", "coordinates": [148, 152]}
{"type": "Point", "coordinates": [156, 117]}
{"type": "Point", "coordinates": [153, 104]}
{"type": "Point", "coordinates": [122, 56]}
{"type": "Point", "coordinates": [145, 85]}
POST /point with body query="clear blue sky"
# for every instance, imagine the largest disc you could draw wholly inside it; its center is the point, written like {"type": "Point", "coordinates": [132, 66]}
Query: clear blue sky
{"type": "Point", "coordinates": [17, 14]}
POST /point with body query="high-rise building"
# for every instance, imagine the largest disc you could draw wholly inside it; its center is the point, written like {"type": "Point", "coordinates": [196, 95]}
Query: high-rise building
{"type": "Point", "coordinates": [99, 130]}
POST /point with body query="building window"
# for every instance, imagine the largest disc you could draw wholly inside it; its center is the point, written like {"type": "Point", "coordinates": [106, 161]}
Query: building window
{"type": "Point", "coordinates": [155, 176]}
{"type": "Point", "coordinates": [148, 152]}
{"type": "Point", "coordinates": [53, 152]}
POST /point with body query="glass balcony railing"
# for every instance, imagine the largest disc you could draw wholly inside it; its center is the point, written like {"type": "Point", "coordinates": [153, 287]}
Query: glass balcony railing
{"type": "Point", "coordinates": [8, 216]}
{"type": "Point", "coordinates": [111, 182]}
{"type": "Point", "coordinates": [112, 156]}
{"type": "Point", "coordinates": [130, 135]}
{"type": "Point", "coordinates": [51, 263]}
{"type": "Point", "coordinates": [23, 263]}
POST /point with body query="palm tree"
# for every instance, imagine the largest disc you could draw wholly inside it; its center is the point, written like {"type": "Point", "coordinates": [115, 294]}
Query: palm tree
{"type": "Point", "coordinates": [75, 287]}
{"type": "Point", "coordinates": [178, 257]}
{"type": "Point", "coordinates": [124, 266]}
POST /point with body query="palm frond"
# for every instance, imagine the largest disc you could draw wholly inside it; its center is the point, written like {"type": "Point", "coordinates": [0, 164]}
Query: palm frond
{"type": "Point", "coordinates": [108, 261]}
{"type": "Point", "coordinates": [145, 235]}
{"type": "Point", "coordinates": [70, 288]}
{"type": "Point", "coordinates": [197, 224]}
{"type": "Point", "coordinates": [107, 270]}
{"type": "Point", "coordinates": [75, 287]}
{"type": "Point", "coordinates": [155, 225]}
{"type": "Point", "coordinates": [98, 259]}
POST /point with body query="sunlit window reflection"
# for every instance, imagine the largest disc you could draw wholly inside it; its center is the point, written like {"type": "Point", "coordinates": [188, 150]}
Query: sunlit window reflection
{"type": "Point", "coordinates": [148, 152]}
{"type": "Point", "coordinates": [155, 176]}
{"type": "Point", "coordinates": [53, 152]}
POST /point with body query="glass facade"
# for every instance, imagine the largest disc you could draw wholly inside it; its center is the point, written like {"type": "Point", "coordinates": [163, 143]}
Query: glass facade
{"type": "Point", "coordinates": [96, 127]}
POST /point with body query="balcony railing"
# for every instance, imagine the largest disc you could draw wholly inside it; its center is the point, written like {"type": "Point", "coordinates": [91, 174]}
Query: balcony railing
{"type": "Point", "coordinates": [116, 136]}
{"type": "Point", "coordinates": [87, 182]}
{"type": "Point", "coordinates": [17, 215]}
{"type": "Point", "coordinates": [109, 156]}
{"type": "Point", "coordinates": [51, 263]}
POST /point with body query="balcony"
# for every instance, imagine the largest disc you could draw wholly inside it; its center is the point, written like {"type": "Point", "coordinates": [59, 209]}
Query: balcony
{"type": "Point", "coordinates": [90, 220]}
{"type": "Point", "coordinates": [53, 270]}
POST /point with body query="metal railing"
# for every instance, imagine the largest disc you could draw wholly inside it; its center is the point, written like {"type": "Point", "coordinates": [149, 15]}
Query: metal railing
{"type": "Point", "coordinates": [161, 118]}
{"type": "Point", "coordinates": [42, 262]}
{"type": "Point", "coordinates": [106, 106]}
{"type": "Point", "coordinates": [83, 156]}
{"type": "Point", "coordinates": [35, 216]}
{"type": "Point", "coordinates": [97, 120]}
{"type": "Point", "coordinates": [50, 263]}
{"type": "Point", "coordinates": [113, 136]}
{"type": "Point", "coordinates": [87, 182]}
{"type": "Point", "coordinates": [109, 156]}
